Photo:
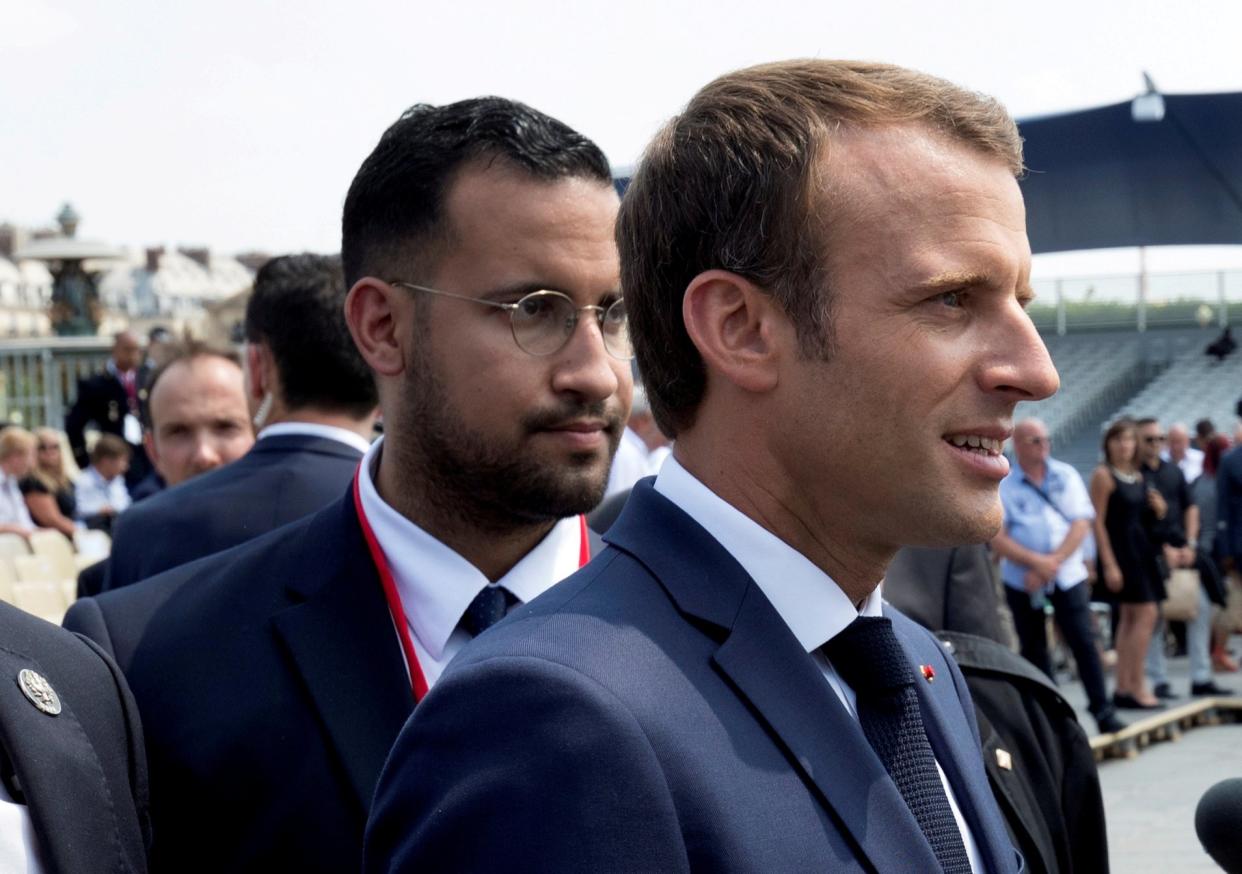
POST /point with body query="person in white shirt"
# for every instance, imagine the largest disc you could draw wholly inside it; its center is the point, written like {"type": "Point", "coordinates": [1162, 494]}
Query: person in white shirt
{"type": "Point", "coordinates": [642, 450]}
{"type": "Point", "coordinates": [100, 490]}
{"type": "Point", "coordinates": [17, 452]}
{"type": "Point", "coordinates": [484, 299]}
{"type": "Point", "coordinates": [1179, 451]}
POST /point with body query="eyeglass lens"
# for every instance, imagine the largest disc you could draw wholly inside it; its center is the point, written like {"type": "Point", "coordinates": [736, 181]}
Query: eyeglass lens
{"type": "Point", "coordinates": [544, 321]}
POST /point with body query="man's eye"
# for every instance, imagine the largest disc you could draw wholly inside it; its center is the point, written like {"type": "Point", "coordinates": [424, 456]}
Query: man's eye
{"type": "Point", "coordinates": [954, 299]}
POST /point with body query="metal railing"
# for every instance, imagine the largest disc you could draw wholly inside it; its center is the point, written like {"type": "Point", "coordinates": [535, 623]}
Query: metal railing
{"type": "Point", "coordinates": [1137, 302]}
{"type": "Point", "coordinates": [39, 377]}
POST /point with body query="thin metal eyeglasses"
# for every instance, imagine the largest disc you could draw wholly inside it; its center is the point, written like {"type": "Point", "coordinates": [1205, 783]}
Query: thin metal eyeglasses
{"type": "Point", "coordinates": [543, 321]}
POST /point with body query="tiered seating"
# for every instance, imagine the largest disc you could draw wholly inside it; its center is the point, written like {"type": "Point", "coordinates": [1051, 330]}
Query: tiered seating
{"type": "Point", "coordinates": [1195, 387]}
{"type": "Point", "coordinates": [41, 575]}
{"type": "Point", "coordinates": [1092, 371]}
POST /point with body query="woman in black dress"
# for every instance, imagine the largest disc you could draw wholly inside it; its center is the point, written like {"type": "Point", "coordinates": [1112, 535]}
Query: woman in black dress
{"type": "Point", "coordinates": [1127, 562]}
{"type": "Point", "coordinates": [48, 488]}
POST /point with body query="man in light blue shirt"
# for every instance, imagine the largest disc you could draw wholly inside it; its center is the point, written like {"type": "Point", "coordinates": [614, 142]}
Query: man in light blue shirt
{"type": "Point", "coordinates": [1047, 516]}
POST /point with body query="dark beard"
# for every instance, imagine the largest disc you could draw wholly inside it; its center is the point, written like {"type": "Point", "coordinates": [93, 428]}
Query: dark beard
{"type": "Point", "coordinates": [460, 478]}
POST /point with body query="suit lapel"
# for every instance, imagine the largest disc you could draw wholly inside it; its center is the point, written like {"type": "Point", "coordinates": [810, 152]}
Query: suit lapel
{"type": "Point", "coordinates": [770, 670]}
{"type": "Point", "coordinates": [60, 775]}
{"type": "Point", "coordinates": [952, 738]}
{"type": "Point", "coordinates": [345, 650]}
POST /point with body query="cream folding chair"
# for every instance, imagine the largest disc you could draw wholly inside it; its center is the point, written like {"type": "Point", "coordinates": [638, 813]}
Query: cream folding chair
{"type": "Point", "coordinates": [43, 598]}
{"type": "Point", "coordinates": [8, 576]}
{"type": "Point", "coordinates": [13, 544]}
{"type": "Point", "coordinates": [92, 546]}
{"type": "Point", "coordinates": [57, 549]}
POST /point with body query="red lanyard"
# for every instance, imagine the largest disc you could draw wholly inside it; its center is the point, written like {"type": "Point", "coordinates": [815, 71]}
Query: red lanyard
{"type": "Point", "coordinates": [418, 683]}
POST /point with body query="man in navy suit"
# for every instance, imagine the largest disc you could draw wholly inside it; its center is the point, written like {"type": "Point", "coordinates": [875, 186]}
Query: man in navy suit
{"type": "Point", "coordinates": [826, 267]}
{"type": "Point", "coordinates": [314, 401]}
{"type": "Point", "coordinates": [274, 677]}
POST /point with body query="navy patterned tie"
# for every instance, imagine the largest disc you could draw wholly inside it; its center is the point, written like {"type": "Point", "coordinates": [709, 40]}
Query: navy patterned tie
{"type": "Point", "coordinates": [869, 658]}
{"type": "Point", "coordinates": [487, 608]}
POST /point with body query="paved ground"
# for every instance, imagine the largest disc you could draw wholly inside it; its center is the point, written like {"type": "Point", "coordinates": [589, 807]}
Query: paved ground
{"type": "Point", "coordinates": [1150, 800]}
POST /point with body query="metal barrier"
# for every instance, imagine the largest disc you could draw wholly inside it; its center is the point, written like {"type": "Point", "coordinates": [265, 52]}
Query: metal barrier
{"type": "Point", "coordinates": [39, 377]}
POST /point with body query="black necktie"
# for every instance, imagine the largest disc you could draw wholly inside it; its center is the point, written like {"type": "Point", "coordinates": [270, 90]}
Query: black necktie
{"type": "Point", "coordinates": [869, 658]}
{"type": "Point", "coordinates": [487, 608]}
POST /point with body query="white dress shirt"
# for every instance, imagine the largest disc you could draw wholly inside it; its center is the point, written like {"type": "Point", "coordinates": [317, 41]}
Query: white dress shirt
{"type": "Point", "coordinates": [811, 604]}
{"type": "Point", "coordinates": [93, 494]}
{"type": "Point", "coordinates": [19, 848]}
{"type": "Point", "coordinates": [13, 509]}
{"type": "Point", "coordinates": [436, 585]}
{"type": "Point", "coordinates": [313, 429]}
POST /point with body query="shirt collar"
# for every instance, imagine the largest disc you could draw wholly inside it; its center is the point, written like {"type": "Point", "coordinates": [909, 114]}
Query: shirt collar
{"type": "Point", "coordinates": [310, 429]}
{"type": "Point", "coordinates": [435, 583]}
{"type": "Point", "coordinates": [807, 599]}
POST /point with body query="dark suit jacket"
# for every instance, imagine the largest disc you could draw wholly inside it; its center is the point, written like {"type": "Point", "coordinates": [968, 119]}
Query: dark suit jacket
{"type": "Point", "coordinates": [654, 713]}
{"type": "Point", "coordinates": [102, 401]}
{"type": "Point", "coordinates": [1048, 787]}
{"type": "Point", "coordinates": [1229, 506]}
{"type": "Point", "coordinates": [946, 589]}
{"type": "Point", "coordinates": [271, 686]}
{"type": "Point", "coordinates": [83, 772]}
{"type": "Point", "coordinates": [279, 480]}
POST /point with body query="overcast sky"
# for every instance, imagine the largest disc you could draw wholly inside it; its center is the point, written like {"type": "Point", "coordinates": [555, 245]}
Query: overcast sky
{"type": "Point", "coordinates": [238, 125]}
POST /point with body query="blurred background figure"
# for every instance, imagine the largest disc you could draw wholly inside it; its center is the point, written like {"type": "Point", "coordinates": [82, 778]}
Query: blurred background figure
{"type": "Point", "coordinates": [197, 413]}
{"type": "Point", "coordinates": [101, 493]}
{"type": "Point", "coordinates": [1189, 459]}
{"type": "Point", "coordinates": [1127, 560]}
{"type": "Point", "coordinates": [112, 402]}
{"type": "Point", "coordinates": [642, 450]}
{"type": "Point", "coordinates": [49, 488]}
{"type": "Point", "coordinates": [1205, 496]}
{"type": "Point", "coordinates": [313, 398]}
{"type": "Point", "coordinates": [1047, 515]}
{"type": "Point", "coordinates": [1205, 430]}
{"type": "Point", "coordinates": [17, 451]}
{"type": "Point", "coordinates": [160, 346]}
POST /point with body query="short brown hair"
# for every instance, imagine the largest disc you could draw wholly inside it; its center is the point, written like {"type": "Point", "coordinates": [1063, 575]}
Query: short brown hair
{"type": "Point", "coordinates": [184, 351]}
{"type": "Point", "coordinates": [730, 184]}
{"type": "Point", "coordinates": [109, 446]}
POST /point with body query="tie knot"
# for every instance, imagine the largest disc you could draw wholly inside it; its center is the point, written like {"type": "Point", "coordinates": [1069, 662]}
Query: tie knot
{"type": "Point", "coordinates": [869, 657]}
{"type": "Point", "coordinates": [487, 608]}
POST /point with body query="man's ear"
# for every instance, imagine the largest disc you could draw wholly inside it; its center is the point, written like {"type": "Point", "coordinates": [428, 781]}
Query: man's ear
{"type": "Point", "coordinates": [737, 327]}
{"type": "Point", "coordinates": [258, 360]}
{"type": "Point", "coordinates": [377, 315]}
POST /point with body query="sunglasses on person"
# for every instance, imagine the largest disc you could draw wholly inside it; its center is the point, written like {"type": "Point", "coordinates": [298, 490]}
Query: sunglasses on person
{"type": "Point", "coordinates": [543, 321]}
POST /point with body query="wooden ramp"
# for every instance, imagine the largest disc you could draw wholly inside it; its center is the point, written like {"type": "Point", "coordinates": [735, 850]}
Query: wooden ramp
{"type": "Point", "coordinates": [1165, 725]}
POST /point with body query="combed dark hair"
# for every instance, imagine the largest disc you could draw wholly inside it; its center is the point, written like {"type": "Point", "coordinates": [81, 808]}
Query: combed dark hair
{"type": "Point", "coordinates": [179, 351]}
{"type": "Point", "coordinates": [298, 310]}
{"type": "Point", "coordinates": [731, 184]}
{"type": "Point", "coordinates": [397, 197]}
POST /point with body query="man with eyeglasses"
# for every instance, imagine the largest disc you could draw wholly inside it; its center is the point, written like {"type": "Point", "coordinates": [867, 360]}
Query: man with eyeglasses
{"type": "Point", "coordinates": [1173, 528]}
{"type": "Point", "coordinates": [484, 296]}
{"type": "Point", "coordinates": [1047, 517]}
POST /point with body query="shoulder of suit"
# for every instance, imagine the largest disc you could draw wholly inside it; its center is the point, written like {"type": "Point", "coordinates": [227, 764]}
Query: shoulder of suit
{"type": "Point", "coordinates": [981, 656]}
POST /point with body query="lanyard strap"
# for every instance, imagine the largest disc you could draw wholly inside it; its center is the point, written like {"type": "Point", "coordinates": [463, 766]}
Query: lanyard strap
{"type": "Point", "coordinates": [418, 682]}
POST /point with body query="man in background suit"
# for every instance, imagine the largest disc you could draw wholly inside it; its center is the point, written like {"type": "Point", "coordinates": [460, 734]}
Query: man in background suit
{"type": "Point", "coordinates": [273, 677]}
{"type": "Point", "coordinates": [825, 265]}
{"type": "Point", "coordinates": [113, 402]}
{"type": "Point", "coordinates": [313, 399]}
{"type": "Point", "coordinates": [73, 778]}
